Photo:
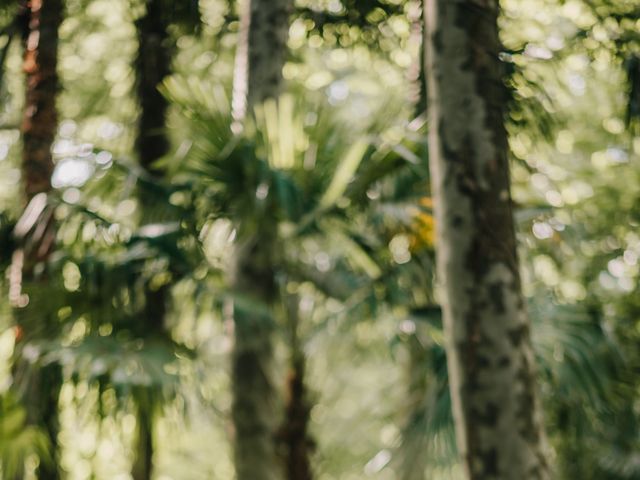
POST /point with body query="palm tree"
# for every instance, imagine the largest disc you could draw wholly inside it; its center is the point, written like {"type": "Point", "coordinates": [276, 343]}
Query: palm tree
{"type": "Point", "coordinates": [491, 362]}
{"type": "Point", "coordinates": [260, 57]}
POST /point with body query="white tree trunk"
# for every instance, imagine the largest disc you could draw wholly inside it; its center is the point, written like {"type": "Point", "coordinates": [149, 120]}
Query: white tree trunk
{"type": "Point", "coordinates": [491, 362]}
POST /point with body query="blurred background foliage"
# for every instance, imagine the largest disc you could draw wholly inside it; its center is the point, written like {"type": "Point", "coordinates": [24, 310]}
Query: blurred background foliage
{"type": "Point", "coordinates": [339, 165]}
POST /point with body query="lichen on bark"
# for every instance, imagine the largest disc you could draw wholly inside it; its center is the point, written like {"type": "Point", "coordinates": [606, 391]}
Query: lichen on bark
{"type": "Point", "coordinates": [491, 365]}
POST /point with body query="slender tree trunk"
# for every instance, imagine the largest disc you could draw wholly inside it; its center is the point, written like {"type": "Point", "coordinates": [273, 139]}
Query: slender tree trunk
{"type": "Point", "coordinates": [142, 468]}
{"type": "Point", "coordinates": [152, 66]}
{"type": "Point", "coordinates": [40, 119]}
{"type": "Point", "coordinates": [295, 441]}
{"type": "Point", "coordinates": [260, 58]}
{"type": "Point", "coordinates": [39, 387]}
{"type": "Point", "coordinates": [261, 53]}
{"type": "Point", "coordinates": [295, 436]}
{"type": "Point", "coordinates": [254, 412]}
{"type": "Point", "coordinates": [491, 363]}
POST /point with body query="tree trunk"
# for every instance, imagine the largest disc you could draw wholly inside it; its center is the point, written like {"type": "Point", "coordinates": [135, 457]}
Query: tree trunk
{"type": "Point", "coordinates": [39, 387]}
{"type": "Point", "coordinates": [40, 119]}
{"type": "Point", "coordinates": [142, 468]}
{"type": "Point", "coordinates": [261, 53]}
{"type": "Point", "coordinates": [152, 66]}
{"type": "Point", "coordinates": [260, 57]}
{"type": "Point", "coordinates": [491, 363]}
{"type": "Point", "coordinates": [414, 460]}
{"type": "Point", "coordinates": [293, 437]}
{"type": "Point", "coordinates": [253, 411]}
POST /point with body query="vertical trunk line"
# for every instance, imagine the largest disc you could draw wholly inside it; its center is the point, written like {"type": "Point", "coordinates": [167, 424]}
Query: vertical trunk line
{"type": "Point", "coordinates": [260, 55]}
{"type": "Point", "coordinates": [142, 468]}
{"type": "Point", "coordinates": [40, 119]}
{"type": "Point", "coordinates": [40, 20]}
{"type": "Point", "coordinates": [152, 65]}
{"type": "Point", "coordinates": [293, 435]}
{"type": "Point", "coordinates": [490, 357]}
{"type": "Point", "coordinates": [258, 75]}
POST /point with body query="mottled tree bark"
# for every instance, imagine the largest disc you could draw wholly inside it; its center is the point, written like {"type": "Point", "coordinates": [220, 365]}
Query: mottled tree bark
{"type": "Point", "coordinates": [39, 387]}
{"type": "Point", "coordinates": [152, 65]}
{"type": "Point", "coordinates": [260, 57]}
{"type": "Point", "coordinates": [491, 362]}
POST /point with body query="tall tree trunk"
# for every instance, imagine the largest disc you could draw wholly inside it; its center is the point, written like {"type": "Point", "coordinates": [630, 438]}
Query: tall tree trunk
{"type": "Point", "coordinates": [39, 387]}
{"type": "Point", "coordinates": [491, 362]}
{"type": "Point", "coordinates": [254, 412]}
{"type": "Point", "coordinates": [261, 53]}
{"type": "Point", "coordinates": [293, 436]}
{"type": "Point", "coordinates": [40, 119]}
{"type": "Point", "coordinates": [152, 66]}
{"type": "Point", "coordinates": [260, 58]}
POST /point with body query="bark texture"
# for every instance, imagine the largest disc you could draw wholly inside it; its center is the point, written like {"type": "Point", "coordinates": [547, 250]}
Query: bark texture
{"type": "Point", "coordinates": [142, 468]}
{"type": "Point", "coordinates": [39, 387]}
{"type": "Point", "coordinates": [261, 53]}
{"type": "Point", "coordinates": [491, 362]}
{"type": "Point", "coordinates": [152, 66]}
{"type": "Point", "coordinates": [40, 119]}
